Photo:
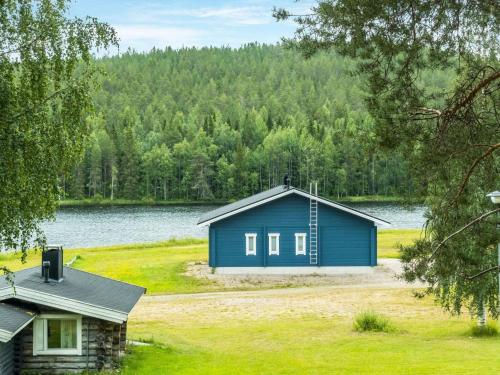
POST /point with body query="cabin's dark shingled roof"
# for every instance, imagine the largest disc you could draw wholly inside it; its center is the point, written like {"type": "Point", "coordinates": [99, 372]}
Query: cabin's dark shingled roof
{"type": "Point", "coordinates": [241, 203]}
{"type": "Point", "coordinates": [259, 197]}
{"type": "Point", "coordinates": [82, 287]}
{"type": "Point", "coordinates": [13, 318]}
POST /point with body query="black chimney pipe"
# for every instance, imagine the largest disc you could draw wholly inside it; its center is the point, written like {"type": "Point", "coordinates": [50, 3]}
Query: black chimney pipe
{"type": "Point", "coordinates": [53, 254]}
{"type": "Point", "coordinates": [46, 268]}
{"type": "Point", "coordinates": [286, 182]}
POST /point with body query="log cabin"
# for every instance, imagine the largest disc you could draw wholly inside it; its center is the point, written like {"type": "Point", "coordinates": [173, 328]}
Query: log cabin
{"type": "Point", "coordinates": [56, 319]}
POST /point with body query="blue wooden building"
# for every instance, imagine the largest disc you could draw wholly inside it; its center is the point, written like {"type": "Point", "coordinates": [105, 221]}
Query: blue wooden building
{"type": "Point", "coordinates": [289, 227]}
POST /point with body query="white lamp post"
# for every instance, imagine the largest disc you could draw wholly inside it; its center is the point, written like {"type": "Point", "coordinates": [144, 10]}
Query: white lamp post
{"type": "Point", "coordinates": [495, 198]}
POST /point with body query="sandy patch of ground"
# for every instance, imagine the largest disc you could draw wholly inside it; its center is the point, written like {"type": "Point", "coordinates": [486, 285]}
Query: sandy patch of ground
{"type": "Point", "coordinates": [339, 295]}
{"type": "Point", "coordinates": [384, 275]}
{"type": "Point", "coordinates": [225, 307]}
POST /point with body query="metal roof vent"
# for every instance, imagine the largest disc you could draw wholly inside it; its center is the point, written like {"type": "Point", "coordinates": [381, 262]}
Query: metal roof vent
{"type": "Point", "coordinates": [52, 257]}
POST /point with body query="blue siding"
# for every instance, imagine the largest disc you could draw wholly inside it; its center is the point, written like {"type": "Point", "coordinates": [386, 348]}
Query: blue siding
{"type": "Point", "coordinates": [212, 238]}
{"type": "Point", "coordinates": [345, 246]}
{"type": "Point", "coordinates": [287, 255]}
{"type": "Point", "coordinates": [344, 239]}
{"type": "Point", "coordinates": [230, 245]}
{"type": "Point", "coordinates": [373, 249]}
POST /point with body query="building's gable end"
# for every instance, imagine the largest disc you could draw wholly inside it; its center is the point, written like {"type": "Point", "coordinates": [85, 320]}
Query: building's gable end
{"type": "Point", "coordinates": [300, 193]}
{"type": "Point", "coordinates": [291, 208]}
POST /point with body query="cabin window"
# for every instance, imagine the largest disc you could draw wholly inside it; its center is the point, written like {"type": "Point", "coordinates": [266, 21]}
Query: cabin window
{"type": "Point", "coordinates": [57, 335]}
{"type": "Point", "coordinates": [300, 243]}
{"type": "Point", "coordinates": [251, 243]}
{"type": "Point", "coordinates": [274, 244]}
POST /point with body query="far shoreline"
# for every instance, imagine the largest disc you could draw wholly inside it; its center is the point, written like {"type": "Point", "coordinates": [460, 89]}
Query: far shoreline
{"type": "Point", "coordinates": [68, 203]}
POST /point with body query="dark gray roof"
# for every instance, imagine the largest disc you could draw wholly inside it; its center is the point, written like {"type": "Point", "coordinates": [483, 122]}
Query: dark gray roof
{"type": "Point", "coordinates": [13, 318]}
{"type": "Point", "coordinates": [227, 209]}
{"type": "Point", "coordinates": [241, 203]}
{"type": "Point", "coordinates": [82, 287]}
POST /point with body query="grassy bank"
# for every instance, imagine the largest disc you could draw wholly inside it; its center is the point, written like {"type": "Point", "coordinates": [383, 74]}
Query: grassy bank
{"type": "Point", "coordinates": [89, 202]}
{"type": "Point", "coordinates": [389, 240]}
{"type": "Point", "coordinates": [133, 202]}
{"type": "Point", "coordinates": [160, 266]}
{"type": "Point", "coordinates": [374, 199]}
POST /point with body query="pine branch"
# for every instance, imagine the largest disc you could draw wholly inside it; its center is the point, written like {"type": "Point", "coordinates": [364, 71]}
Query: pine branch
{"type": "Point", "coordinates": [484, 272]}
{"type": "Point", "coordinates": [476, 220]}
{"type": "Point", "coordinates": [433, 111]}
{"type": "Point", "coordinates": [476, 162]}
{"type": "Point", "coordinates": [472, 94]}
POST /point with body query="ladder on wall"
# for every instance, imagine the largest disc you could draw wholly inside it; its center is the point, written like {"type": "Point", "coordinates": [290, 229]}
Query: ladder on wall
{"type": "Point", "coordinates": [313, 224]}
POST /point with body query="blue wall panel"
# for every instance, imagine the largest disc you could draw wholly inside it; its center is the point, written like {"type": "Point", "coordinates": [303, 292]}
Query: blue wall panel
{"type": "Point", "coordinates": [342, 246]}
{"type": "Point", "coordinates": [230, 245]}
{"type": "Point", "coordinates": [287, 255]}
{"type": "Point", "coordinates": [344, 239]}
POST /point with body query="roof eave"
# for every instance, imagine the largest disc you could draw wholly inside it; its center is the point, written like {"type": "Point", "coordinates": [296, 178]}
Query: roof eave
{"type": "Point", "coordinates": [6, 336]}
{"type": "Point", "coordinates": [64, 304]}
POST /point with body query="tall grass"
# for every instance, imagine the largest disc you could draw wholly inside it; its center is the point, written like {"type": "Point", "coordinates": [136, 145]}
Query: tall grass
{"type": "Point", "coordinates": [489, 330]}
{"type": "Point", "coordinates": [370, 321]}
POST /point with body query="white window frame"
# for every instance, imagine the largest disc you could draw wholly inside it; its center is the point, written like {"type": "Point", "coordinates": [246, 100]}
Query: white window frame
{"type": "Point", "coordinates": [40, 344]}
{"type": "Point", "coordinates": [304, 243]}
{"type": "Point", "coordinates": [250, 237]}
{"type": "Point", "coordinates": [277, 250]}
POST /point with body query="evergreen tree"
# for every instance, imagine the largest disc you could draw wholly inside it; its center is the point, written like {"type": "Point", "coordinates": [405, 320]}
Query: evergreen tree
{"type": "Point", "coordinates": [448, 132]}
{"type": "Point", "coordinates": [258, 122]}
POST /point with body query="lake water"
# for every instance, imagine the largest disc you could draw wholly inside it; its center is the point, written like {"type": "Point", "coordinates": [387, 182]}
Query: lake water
{"type": "Point", "coordinates": [101, 226]}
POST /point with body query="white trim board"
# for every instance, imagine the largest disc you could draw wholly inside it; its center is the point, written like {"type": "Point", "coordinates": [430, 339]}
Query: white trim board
{"type": "Point", "coordinates": [304, 194]}
{"type": "Point", "coordinates": [250, 237]}
{"type": "Point", "coordinates": [290, 271]}
{"type": "Point", "coordinates": [304, 243]}
{"type": "Point", "coordinates": [64, 304]}
{"type": "Point", "coordinates": [40, 327]}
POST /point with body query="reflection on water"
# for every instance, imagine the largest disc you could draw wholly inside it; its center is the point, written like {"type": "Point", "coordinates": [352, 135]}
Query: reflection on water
{"type": "Point", "coordinates": [400, 216]}
{"type": "Point", "coordinates": [101, 226]}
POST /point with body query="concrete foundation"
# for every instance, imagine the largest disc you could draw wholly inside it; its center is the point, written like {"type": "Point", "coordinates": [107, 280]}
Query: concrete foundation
{"type": "Point", "coordinates": [354, 270]}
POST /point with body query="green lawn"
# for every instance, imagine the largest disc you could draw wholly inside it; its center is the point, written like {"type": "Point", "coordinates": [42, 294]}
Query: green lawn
{"type": "Point", "coordinates": [160, 266]}
{"type": "Point", "coordinates": [388, 241]}
{"type": "Point", "coordinates": [426, 341]}
{"type": "Point", "coordinates": [317, 346]}
{"type": "Point", "coordinates": [308, 331]}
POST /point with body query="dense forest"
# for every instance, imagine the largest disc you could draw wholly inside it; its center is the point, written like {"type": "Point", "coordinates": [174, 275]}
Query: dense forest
{"type": "Point", "coordinates": [222, 123]}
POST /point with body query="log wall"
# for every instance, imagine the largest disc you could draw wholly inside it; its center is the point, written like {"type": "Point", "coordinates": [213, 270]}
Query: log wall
{"type": "Point", "coordinates": [6, 358]}
{"type": "Point", "coordinates": [102, 344]}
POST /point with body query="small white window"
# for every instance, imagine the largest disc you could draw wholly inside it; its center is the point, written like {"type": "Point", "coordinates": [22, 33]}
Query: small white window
{"type": "Point", "coordinates": [300, 243]}
{"type": "Point", "coordinates": [274, 244]}
{"type": "Point", "coordinates": [251, 243]}
{"type": "Point", "coordinates": [57, 335]}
